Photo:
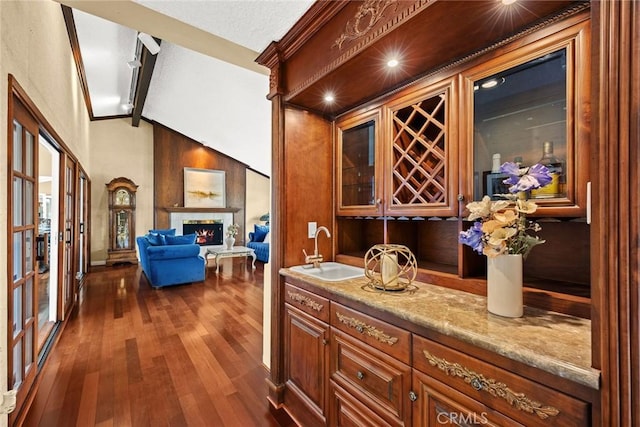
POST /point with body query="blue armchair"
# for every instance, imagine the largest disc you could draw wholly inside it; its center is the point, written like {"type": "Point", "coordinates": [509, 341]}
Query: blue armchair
{"type": "Point", "coordinates": [259, 241]}
{"type": "Point", "coordinates": [170, 264]}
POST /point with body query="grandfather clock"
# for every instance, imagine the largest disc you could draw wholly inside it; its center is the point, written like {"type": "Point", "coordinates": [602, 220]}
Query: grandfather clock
{"type": "Point", "coordinates": [122, 221]}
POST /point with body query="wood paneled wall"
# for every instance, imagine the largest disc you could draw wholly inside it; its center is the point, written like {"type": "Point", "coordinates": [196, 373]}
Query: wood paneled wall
{"type": "Point", "coordinates": [308, 186]}
{"type": "Point", "coordinates": [172, 152]}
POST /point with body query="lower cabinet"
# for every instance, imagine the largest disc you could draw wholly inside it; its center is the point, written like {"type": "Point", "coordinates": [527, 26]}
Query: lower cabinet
{"type": "Point", "coordinates": [436, 404]}
{"type": "Point", "coordinates": [470, 388]}
{"type": "Point", "coordinates": [346, 368]}
{"type": "Point", "coordinates": [306, 359]}
{"type": "Point", "coordinates": [375, 381]}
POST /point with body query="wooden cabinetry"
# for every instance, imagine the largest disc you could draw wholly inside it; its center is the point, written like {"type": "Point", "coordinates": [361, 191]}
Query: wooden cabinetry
{"type": "Point", "coordinates": [306, 335]}
{"type": "Point", "coordinates": [422, 152]}
{"type": "Point", "coordinates": [359, 164]}
{"type": "Point", "coordinates": [374, 373]}
{"type": "Point", "coordinates": [437, 140]}
{"type": "Point", "coordinates": [451, 385]}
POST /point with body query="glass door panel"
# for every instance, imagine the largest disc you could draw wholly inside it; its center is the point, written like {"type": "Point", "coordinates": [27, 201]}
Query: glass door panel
{"type": "Point", "coordinates": [47, 248]}
{"type": "Point", "coordinates": [519, 114]}
{"type": "Point", "coordinates": [22, 294]}
{"type": "Point", "coordinates": [359, 165]}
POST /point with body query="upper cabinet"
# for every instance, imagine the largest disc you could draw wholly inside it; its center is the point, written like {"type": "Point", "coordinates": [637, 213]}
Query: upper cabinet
{"type": "Point", "coordinates": [422, 153]}
{"type": "Point", "coordinates": [401, 158]}
{"type": "Point", "coordinates": [529, 106]}
{"type": "Point", "coordinates": [359, 165]}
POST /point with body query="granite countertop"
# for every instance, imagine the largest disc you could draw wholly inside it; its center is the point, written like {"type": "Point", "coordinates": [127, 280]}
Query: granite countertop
{"type": "Point", "coordinates": [554, 342]}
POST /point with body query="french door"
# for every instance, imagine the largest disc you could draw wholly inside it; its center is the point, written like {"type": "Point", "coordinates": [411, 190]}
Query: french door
{"type": "Point", "coordinates": [22, 334]}
{"type": "Point", "coordinates": [46, 254]}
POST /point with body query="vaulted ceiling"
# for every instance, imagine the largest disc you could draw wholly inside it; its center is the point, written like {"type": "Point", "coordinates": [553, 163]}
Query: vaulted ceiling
{"type": "Point", "coordinates": [204, 81]}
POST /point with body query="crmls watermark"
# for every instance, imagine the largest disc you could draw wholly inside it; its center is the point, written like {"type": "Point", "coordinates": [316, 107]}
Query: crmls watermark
{"type": "Point", "coordinates": [458, 418]}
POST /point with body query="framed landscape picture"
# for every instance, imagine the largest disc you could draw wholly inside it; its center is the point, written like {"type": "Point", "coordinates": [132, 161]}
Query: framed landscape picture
{"type": "Point", "coordinates": [204, 188]}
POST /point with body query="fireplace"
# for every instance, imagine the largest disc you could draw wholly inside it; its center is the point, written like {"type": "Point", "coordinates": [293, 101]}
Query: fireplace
{"type": "Point", "coordinates": [207, 231]}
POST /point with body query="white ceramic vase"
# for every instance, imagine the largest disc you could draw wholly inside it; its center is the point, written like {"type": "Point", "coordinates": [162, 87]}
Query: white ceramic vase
{"type": "Point", "coordinates": [504, 285]}
{"type": "Point", "coordinates": [230, 241]}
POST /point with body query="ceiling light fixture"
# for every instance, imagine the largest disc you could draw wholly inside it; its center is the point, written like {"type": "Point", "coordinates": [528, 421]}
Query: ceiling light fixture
{"type": "Point", "coordinates": [491, 83]}
{"type": "Point", "coordinates": [134, 64]}
{"type": "Point", "coordinates": [393, 62]}
{"type": "Point", "coordinates": [149, 42]}
{"type": "Point", "coordinates": [508, 2]}
{"type": "Point", "coordinates": [329, 97]}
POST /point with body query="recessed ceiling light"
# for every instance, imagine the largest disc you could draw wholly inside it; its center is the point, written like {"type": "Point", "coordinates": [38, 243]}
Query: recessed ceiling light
{"type": "Point", "coordinates": [329, 97]}
{"type": "Point", "coordinates": [393, 62]}
{"type": "Point", "coordinates": [508, 2]}
{"type": "Point", "coordinates": [492, 83]}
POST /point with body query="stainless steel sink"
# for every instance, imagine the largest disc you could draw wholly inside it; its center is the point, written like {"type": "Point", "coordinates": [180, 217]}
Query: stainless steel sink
{"type": "Point", "coordinates": [330, 271]}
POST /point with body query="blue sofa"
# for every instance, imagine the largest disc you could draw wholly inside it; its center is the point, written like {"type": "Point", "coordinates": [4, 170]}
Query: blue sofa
{"type": "Point", "coordinates": [170, 264]}
{"type": "Point", "coordinates": [259, 242]}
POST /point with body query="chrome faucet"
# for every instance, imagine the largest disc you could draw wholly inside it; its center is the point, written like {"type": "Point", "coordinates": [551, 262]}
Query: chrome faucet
{"type": "Point", "coordinates": [316, 258]}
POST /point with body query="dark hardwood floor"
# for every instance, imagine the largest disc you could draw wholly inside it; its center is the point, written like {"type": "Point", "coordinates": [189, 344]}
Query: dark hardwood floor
{"type": "Point", "coordinates": [131, 355]}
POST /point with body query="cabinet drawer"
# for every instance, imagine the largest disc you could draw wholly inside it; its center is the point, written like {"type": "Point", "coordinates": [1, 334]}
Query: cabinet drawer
{"type": "Point", "coordinates": [308, 302]}
{"type": "Point", "coordinates": [521, 399]}
{"type": "Point", "coordinates": [381, 378]}
{"type": "Point", "coordinates": [348, 411]}
{"type": "Point", "coordinates": [378, 334]}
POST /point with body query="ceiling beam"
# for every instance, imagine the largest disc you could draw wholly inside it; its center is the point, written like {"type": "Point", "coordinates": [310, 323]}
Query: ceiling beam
{"type": "Point", "coordinates": [77, 57]}
{"type": "Point", "coordinates": [142, 87]}
{"type": "Point", "coordinates": [134, 15]}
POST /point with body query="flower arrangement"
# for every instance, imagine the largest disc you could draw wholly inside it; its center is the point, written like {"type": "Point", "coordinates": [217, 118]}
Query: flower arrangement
{"type": "Point", "coordinates": [501, 227]}
{"type": "Point", "coordinates": [232, 230]}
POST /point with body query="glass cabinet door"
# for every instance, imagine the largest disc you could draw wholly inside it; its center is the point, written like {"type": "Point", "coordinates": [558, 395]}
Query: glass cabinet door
{"type": "Point", "coordinates": [359, 186]}
{"type": "Point", "coordinates": [529, 106]}
{"type": "Point", "coordinates": [520, 116]}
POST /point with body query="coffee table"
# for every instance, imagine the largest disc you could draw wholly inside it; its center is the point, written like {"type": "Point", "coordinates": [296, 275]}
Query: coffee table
{"type": "Point", "coordinates": [219, 252]}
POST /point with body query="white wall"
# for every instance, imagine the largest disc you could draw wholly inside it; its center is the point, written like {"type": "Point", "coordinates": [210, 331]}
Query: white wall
{"type": "Point", "coordinates": [35, 49]}
{"type": "Point", "coordinates": [227, 111]}
{"type": "Point", "coordinates": [258, 197]}
{"type": "Point", "coordinates": [119, 149]}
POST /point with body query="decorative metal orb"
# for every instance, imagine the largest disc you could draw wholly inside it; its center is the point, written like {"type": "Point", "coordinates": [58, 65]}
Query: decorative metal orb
{"type": "Point", "coordinates": [390, 267]}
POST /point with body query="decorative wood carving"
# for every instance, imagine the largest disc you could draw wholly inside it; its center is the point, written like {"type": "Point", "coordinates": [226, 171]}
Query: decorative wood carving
{"type": "Point", "coordinates": [368, 15]}
{"type": "Point", "coordinates": [478, 381]}
{"type": "Point", "coordinates": [304, 300]}
{"type": "Point", "coordinates": [363, 328]}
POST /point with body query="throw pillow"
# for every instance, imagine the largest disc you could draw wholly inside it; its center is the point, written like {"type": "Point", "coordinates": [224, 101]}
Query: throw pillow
{"type": "Point", "coordinates": [267, 238]}
{"type": "Point", "coordinates": [260, 232]}
{"type": "Point", "coordinates": [155, 239]}
{"type": "Point", "coordinates": [187, 239]}
{"type": "Point", "coordinates": [165, 232]}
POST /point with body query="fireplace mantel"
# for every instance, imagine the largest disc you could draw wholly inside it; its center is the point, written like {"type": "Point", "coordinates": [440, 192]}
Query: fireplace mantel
{"type": "Point", "coordinates": [207, 210]}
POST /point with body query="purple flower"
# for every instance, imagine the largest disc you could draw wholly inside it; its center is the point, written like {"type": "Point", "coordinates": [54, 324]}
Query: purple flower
{"type": "Point", "coordinates": [525, 179]}
{"type": "Point", "coordinates": [514, 172]}
{"type": "Point", "coordinates": [541, 174]}
{"type": "Point", "coordinates": [473, 237]}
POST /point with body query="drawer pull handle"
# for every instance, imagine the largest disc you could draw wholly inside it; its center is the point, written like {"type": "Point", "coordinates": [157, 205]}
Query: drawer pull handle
{"type": "Point", "coordinates": [304, 300]}
{"type": "Point", "coordinates": [360, 375]}
{"type": "Point", "coordinates": [497, 389]}
{"type": "Point", "coordinates": [412, 396]}
{"type": "Point", "coordinates": [363, 328]}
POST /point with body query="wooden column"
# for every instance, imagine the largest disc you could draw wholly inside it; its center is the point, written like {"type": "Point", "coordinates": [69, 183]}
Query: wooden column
{"type": "Point", "coordinates": [616, 204]}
